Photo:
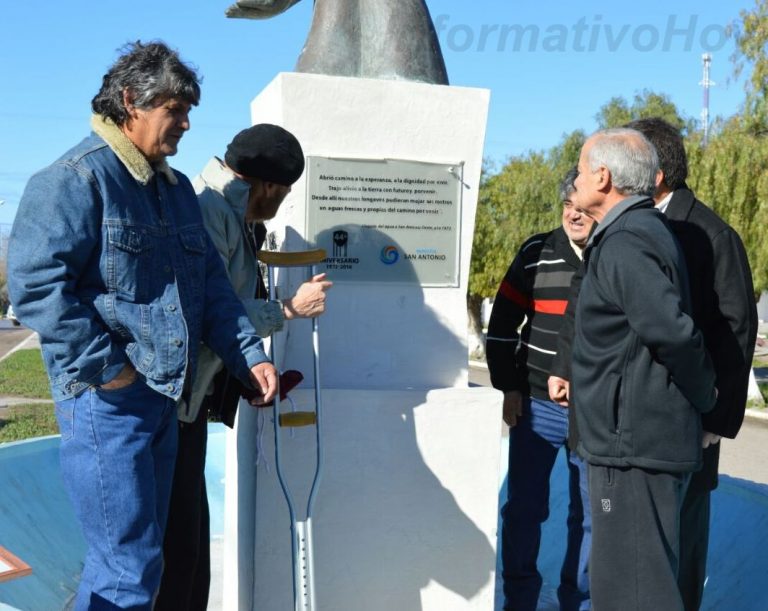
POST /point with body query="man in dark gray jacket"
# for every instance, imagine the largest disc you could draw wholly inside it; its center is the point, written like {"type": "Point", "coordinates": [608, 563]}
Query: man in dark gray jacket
{"type": "Point", "coordinates": [641, 377]}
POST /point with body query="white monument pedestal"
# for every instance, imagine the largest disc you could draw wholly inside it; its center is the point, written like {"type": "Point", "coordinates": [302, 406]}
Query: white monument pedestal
{"type": "Point", "coordinates": [406, 513]}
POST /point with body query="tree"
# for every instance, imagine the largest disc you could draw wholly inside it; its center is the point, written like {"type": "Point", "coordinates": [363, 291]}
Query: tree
{"type": "Point", "coordinates": [731, 175]}
{"type": "Point", "coordinates": [646, 104]}
{"type": "Point", "coordinates": [750, 33]}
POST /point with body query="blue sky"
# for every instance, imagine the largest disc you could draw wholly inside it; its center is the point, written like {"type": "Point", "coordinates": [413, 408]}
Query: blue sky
{"type": "Point", "coordinates": [550, 65]}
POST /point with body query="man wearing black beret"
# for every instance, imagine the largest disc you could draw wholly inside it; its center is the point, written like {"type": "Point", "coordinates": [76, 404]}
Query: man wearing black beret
{"type": "Point", "coordinates": [236, 196]}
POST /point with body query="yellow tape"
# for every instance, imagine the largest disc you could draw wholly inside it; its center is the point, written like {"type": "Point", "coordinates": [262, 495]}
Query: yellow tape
{"type": "Point", "coordinates": [296, 419]}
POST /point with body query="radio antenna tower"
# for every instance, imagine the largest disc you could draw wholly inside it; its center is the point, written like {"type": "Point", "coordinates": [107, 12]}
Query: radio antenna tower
{"type": "Point", "coordinates": [706, 59]}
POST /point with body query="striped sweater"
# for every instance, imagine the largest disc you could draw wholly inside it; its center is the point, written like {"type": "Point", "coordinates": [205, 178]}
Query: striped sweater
{"type": "Point", "coordinates": [534, 295]}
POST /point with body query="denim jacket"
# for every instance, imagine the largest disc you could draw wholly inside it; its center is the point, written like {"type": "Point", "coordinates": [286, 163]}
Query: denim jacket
{"type": "Point", "coordinates": [110, 263]}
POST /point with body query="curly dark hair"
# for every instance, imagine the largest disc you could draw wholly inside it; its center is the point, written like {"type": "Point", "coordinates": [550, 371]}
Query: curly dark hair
{"type": "Point", "coordinates": [151, 73]}
{"type": "Point", "coordinates": [669, 145]}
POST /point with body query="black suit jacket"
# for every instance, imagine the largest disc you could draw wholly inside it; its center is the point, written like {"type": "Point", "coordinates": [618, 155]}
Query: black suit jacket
{"type": "Point", "coordinates": [724, 307]}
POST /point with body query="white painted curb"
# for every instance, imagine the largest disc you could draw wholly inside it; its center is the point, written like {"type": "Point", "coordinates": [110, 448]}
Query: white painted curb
{"type": "Point", "coordinates": [31, 341]}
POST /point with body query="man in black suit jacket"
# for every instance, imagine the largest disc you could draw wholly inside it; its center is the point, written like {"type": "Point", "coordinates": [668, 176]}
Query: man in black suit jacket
{"type": "Point", "coordinates": [724, 310]}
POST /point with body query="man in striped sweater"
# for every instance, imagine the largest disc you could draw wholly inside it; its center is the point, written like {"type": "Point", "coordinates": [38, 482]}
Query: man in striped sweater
{"type": "Point", "coordinates": [522, 341]}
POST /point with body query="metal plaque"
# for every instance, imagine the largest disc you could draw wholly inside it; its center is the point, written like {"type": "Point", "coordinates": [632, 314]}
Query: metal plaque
{"type": "Point", "coordinates": [386, 220]}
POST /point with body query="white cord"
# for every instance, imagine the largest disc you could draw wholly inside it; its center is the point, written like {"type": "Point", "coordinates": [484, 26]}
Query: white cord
{"type": "Point", "coordinates": [261, 420]}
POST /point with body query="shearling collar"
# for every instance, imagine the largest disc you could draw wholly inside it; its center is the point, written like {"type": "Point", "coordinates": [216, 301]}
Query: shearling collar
{"type": "Point", "coordinates": [127, 152]}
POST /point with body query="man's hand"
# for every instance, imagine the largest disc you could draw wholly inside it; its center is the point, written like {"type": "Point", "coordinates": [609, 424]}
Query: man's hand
{"type": "Point", "coordinates": [264, 378]}
{"type": "Point", "coordinates": [309, 300]}
{"type": "Point", "coordinates": [559, 390]}
{"type": "Point", "coordinates": [512, 407]}
{"type": "Point", "coordinates": [708, 439]}
{"type": "Point", "coordinates": [126, 377]}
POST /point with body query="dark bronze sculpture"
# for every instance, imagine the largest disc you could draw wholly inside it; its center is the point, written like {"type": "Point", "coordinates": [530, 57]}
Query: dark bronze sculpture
{"type": "Point", "coordinates": [389, 39]}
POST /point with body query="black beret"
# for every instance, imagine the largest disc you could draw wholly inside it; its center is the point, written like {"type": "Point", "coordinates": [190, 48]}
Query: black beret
{"type": "Point", "coordinates": [268, 152]}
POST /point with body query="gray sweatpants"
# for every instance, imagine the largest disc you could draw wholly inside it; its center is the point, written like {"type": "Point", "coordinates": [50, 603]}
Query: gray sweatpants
{"type": "Point", "coordinates": [635, 538]}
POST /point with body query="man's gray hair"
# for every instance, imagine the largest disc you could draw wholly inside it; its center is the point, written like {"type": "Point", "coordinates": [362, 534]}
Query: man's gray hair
{"type": "Point", "coordinates": [151, 74]}
{"type": "Point", "coordinates": [629, 156]}
{"type": "Point", "coordinates": [567, 186]}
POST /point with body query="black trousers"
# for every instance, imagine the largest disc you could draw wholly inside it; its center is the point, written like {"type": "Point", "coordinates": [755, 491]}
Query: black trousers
{"type": "Point", "coordinates": [694, 530]}
{"type": "Point", "coordinates": [187, 547]}
{"type": "Point", "coordinates": [635, 538]}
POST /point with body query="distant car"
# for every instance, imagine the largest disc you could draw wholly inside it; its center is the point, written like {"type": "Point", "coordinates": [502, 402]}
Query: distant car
{"type": "Point", "coordinates": [12, 317]}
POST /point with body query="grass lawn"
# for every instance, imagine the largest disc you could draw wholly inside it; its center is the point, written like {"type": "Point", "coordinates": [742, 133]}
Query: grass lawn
{"type": "Point", "coordinates": [28, 420]}
{"type": "Point", "coordinates": [763, 386]}
{"type": "Point", "coordinates": [22, 375]}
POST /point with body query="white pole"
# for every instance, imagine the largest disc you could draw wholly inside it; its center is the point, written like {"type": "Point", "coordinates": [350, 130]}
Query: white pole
{"type": "Point", "coordinates": [706, 82]}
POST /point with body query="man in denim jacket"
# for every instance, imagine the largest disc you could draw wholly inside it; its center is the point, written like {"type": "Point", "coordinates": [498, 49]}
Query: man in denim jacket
{"type": "Point", "coordinates": [110, 263]}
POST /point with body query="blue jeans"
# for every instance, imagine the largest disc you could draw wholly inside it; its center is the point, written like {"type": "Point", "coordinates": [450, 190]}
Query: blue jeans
{"type": "Point", "coordinates": [533, 446]}
{"type": "Point", "coordinates": [118, 450]}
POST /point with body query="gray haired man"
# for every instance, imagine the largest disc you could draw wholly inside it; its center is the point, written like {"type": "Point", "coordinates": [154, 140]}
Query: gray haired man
{"type": "Point", "coordinates": [641, 377]}
{"type": "Point", "coordinates": [110, 263]}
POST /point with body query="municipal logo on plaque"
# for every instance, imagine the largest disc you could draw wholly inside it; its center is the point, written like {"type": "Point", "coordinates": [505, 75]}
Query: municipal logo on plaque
{"type": "Point", "coordinates": [389, 255]}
